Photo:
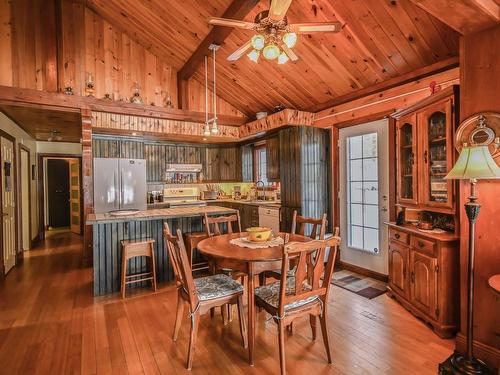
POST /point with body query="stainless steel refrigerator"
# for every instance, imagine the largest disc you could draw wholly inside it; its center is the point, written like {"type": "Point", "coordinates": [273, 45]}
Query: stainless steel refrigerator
{"type": "Point", "coordinates": [119, 184]}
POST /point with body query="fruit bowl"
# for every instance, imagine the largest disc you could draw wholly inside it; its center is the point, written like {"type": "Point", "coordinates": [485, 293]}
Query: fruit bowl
{"type": "Point", "coordinates": [259, 234]}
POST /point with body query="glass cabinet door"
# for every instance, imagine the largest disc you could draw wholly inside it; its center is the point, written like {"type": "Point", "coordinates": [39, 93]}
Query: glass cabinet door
{"type": "Point", "coordinates": [406, 163]}
{"type": "Point", "coordinates": [437, 154]}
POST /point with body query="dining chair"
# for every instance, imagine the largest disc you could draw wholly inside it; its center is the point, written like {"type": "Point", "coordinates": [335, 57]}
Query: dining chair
{"type": "Point", "coordinates": [299, 223]}
{"type": "Point", "coordinates": [304, 294]}
{"type": "Point", "coordinates": [214, 226]}
{"type": "Point", "coordinates": [201, 294]}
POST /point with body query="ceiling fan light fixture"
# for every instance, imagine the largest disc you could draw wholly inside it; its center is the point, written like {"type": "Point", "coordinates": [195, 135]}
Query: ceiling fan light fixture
{"type": "Point", "coordinates": [271, 52]}
{"type": "Point", "coordinates": [282, 58]}
{"type": "Point", "coordinates": [258, 42]}
{"type": "Point", "coordinates": [254, 55]}
{"type": "Point", "coordinates": [290, 39]}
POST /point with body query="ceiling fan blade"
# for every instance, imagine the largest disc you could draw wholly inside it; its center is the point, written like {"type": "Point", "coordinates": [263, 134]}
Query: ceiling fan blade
{"type": "Point", "coordinates": [216, 21]}
{"type": "Point", "coordinates": [289, 52]}
{"type": "Point", "coordinates": [278, 9]}
{"type": "Point", "coordinates": [240, 51]}
{"type": "Point", "coordinates": [315, 27]}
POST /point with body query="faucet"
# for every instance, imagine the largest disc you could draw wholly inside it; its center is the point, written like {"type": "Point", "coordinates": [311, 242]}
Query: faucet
{"type": "Point", "coordinates": [257, 186]}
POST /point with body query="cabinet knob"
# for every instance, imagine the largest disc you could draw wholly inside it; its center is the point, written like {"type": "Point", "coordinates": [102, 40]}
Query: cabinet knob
{"type": "Point", "coordinates": [396, 236]}
{"type": "Point", "coordinates": [420, 244]}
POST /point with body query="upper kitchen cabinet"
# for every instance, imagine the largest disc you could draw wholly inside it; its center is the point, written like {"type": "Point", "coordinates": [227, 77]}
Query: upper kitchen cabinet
{"type": "Point", "coordinates": [212, 164]}
{"type": "Point", "coordinates": [425, 153]}
{"type": "Point", "coordinates": [247, 163]}
{"type": "Point", "coordinates": [230, 164]}
{"type": "Point", "coordinates": [273, 159]}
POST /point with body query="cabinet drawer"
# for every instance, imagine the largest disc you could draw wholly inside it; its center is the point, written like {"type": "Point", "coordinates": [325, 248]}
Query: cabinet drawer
{"type": "Point", "coordinates": [398, 235]}
{"type": "Point", "coordinates": [423, 246]}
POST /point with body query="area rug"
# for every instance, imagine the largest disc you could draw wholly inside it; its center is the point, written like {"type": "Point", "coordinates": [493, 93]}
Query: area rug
{"type": "Point", "coordinates": [358, 284]}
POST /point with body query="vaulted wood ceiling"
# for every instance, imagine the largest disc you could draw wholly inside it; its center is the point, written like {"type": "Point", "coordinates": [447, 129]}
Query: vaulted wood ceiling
{"type": "Point", "coordinates": [381, 39]}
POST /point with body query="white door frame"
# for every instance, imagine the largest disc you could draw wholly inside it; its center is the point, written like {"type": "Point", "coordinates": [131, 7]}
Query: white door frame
{"type": "Point", "coordinates": [377, 263]}
{"type": "Point", "coordinates": [15, 215]}
{"type": "Point", "coordinates": [27, 174]}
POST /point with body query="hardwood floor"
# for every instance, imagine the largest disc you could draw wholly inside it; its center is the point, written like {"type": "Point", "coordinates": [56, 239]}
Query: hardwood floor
{"type": "Point", "coordinates": [50, 323]}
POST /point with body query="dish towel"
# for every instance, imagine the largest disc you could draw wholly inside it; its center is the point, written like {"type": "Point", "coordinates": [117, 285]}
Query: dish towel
{"type": "Point", "coordinates": [244, 242]}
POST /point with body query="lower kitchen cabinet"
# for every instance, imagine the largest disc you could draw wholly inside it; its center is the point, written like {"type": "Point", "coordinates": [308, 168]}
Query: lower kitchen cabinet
{"type": "Point", "coordinates": [424, 276]}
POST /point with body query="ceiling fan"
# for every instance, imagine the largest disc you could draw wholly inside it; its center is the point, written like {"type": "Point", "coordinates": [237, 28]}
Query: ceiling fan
{"type": "Point", "coordinates": [275, 38]}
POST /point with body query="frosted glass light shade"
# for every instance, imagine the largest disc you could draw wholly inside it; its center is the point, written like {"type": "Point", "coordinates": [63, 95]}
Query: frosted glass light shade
{"type": "Point", "coordinates": [258, 42]}
{"type": "Point", "coordinates": [282, 58]}
{"type": "Point", "coordinates": [254, 55]}
{"type": "Point", "coordinates": [290, 39]}
{"type": "Point", "coordinates": [271, 52]}
{"type": "Point", "coordinates": [474, 163]}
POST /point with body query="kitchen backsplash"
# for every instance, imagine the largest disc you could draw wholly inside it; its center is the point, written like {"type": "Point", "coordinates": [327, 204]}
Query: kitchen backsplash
{"type": "Point", "coordinates": [227, 187]}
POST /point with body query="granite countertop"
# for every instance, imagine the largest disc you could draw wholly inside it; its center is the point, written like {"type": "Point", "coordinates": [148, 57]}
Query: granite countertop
{"type": "Point", "coordinates": [158, 214]}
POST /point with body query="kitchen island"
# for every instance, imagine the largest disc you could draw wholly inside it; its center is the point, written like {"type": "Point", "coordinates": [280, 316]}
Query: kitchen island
{"type": "Point", "coordinates": [109, 230]}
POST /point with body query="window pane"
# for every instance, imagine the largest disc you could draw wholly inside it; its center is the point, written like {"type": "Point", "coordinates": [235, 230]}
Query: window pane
{"type": "Point", "coordinates": [370, 214]}
{"type": "Point", "coordinates": [371, 192]}
{"type": "Point", "coordinates": [357, 214]}
{"type": "Point", "coordinates": [356, 170]}
{"type": "Point", "coordinates": [356, 192]}
{"type": "Point", "coordinates": [370, 145]}
{"type": "Point", "coordinates": [371, 240]}
{"type": "Point", "coordinates": [356, 237]}
{"type": "Point", "coordinates": [370, 169]}
{"type": "Point", "coordinates": [355, 147]}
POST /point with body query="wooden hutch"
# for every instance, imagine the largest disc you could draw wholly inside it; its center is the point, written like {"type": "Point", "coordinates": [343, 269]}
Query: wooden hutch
{"type": "Point", "coordinates": [424, 264]}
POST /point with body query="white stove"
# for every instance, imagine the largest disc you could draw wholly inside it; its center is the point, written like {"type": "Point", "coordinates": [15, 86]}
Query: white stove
{"type": "Point", "coordinates": [186, 196]}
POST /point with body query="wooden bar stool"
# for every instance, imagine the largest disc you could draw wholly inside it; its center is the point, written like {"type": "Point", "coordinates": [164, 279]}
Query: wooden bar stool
{"type": "Point", "coordinates": [132, 249]}
{"type": "Point", "coordinates": [192, 240]}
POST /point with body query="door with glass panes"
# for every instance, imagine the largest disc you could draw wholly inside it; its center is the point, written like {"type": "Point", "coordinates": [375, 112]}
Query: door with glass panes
{"type": "Point", "coordinates": [364, 192]}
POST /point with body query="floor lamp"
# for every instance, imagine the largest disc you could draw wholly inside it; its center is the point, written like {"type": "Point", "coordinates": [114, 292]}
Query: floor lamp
{"type": "Point", "coordinates": [474, 163]}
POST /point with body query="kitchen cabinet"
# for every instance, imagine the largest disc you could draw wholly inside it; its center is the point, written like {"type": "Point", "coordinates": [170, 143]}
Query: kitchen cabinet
{"type": "Point", "coordinates": [230, 164]}
{"type": "Point", "coordinates": [425, 153]}
{"type": "Point", "coordinates": [247, 163]}
{"type": "Point", "coordinates": [273, 159]}
{"type": "Point", "coordinates": [424, 275]}
{"type": "Point", "coordinates": [212, 164]}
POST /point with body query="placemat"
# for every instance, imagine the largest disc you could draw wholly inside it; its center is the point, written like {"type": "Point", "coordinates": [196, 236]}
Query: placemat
{"type": "Point", "coordinates": [244, 242]}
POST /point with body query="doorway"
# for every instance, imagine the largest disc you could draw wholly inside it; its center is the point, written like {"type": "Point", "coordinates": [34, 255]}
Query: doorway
{"type": "Point", "coordinates": [60, 196]}
{"type": "Point", "coordinates": [25, 196]}
{"type": "Point", "coordinates": [8, 203]}
{"type": "Point", "coordinates": [364, 195]}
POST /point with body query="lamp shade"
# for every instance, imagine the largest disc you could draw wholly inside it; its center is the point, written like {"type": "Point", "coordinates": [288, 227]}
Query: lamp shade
{"type": "Point", "coordinates": [474, 163]}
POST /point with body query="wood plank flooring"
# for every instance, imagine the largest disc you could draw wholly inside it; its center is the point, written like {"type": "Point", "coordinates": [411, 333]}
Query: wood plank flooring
{"type": "Point", "coordinates": [51, 324]}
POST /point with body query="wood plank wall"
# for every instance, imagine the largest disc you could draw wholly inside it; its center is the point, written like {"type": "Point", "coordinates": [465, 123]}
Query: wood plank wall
{"type": "Point", "coordinates": [50, 44]}
{"type": "Point", "coordinates": [219, 163]}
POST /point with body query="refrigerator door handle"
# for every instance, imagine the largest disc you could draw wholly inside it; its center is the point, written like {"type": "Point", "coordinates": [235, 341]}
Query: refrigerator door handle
{"type": "Point", "coordinates": [116, 184]}
{"type": "Point", "coordinates": [120, 191]}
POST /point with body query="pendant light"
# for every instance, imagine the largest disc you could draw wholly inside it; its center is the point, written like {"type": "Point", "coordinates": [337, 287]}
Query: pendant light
{"type": "Point", "coordinates": [215, 129]}
{"type": "Point", "coordinates": [206, 130]}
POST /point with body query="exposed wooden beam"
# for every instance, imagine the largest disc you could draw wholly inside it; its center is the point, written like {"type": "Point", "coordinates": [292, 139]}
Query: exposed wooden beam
{"type": "Point", "coordinates": [465, 16]}
{"type": "Point", "coordinates": [36, 98]}
{"type": "Point", "coordinates": [237, 10]}
{"type": "Point", "coordinates": [415, 75]}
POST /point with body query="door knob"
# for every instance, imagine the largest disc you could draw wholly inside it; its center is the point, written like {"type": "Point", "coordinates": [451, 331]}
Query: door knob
{"type": "Point", "coordinates": [4, 214]}
{"type": "Point", "coordinates": [383, 209]}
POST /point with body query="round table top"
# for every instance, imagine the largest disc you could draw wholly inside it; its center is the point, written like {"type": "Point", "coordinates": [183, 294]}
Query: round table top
{"type": "Point", "coordinates": [220, 247]}
{"type": "Point", "coordinates": [494, 282]}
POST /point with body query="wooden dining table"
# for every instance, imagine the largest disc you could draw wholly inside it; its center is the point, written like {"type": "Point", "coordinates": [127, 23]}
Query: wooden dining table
{"type": "Point", "coordinates": [247, 260]}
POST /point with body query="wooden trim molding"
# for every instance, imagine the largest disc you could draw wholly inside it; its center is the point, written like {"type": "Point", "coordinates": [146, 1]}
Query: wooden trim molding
{"type": "Point", "coordinates": [286, 117]}
{"type": "Point", "coordinates": [486, 353]}
{"type": "Point", "coordinates": [364, 271]}
{"type": "Point", "coordinates": [24, 148]}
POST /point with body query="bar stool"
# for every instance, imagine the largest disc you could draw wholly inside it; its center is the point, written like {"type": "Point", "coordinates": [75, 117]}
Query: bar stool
{"type": "Point", "coordinates": [132, 249]}
{"type": "Point", "coordinates": [192, 240]}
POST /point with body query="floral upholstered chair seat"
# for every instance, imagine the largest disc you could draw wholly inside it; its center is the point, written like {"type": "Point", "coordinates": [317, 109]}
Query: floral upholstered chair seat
{"type": "Point", "coordinates": [216, 286]}
{"type": "Point", "coordinates": [270, 294]}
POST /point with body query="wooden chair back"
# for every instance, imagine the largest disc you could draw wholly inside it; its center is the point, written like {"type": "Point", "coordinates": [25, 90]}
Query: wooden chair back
{"type": "Point", "coordinates": [213, 224]}
{"type": "Point", "coordinates": [180, 264]}
{"type": "Point", "coordinates": [309, 270]}
{"type": "Point", "coordinates": [318, 229]}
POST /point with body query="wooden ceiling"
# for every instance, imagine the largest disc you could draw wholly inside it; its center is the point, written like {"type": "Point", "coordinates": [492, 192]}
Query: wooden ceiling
{"type": "Point", "coordinates": [40, 121]}
{"type": "Point", "coordinates": [380, 40]}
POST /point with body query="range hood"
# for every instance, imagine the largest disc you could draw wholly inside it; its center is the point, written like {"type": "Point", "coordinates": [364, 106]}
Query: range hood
{"type": "Point", "coordinates": [184, 168]}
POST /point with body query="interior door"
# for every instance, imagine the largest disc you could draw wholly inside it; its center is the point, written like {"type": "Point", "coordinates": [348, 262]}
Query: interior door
{"type": "Point", "coordinates": [74, 195]}
{"type": "Point", "coordinates": [364, 191]}
{"type": "Point", "coordinates": [58, 192]}
{"type": "Point", "coordinates": [8, 204]}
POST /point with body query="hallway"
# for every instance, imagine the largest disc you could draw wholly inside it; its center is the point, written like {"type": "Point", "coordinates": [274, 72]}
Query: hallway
{"type": "Point", "coordinates": [50, 323]}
